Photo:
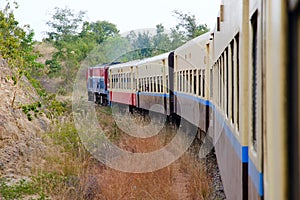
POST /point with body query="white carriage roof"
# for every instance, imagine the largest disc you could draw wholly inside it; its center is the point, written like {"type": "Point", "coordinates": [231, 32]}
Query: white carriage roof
{"type": "Point", "coordinates": [154, 58]}
{"type": "Point", "coordinates": [201, 40]}
{"type": "Point", "coordinates": [127, 64]}
{"type": "Point", "coordinates": [98, 66]}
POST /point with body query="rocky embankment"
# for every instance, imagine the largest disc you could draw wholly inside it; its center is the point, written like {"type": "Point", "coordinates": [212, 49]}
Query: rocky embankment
{"type": "Point", "coordinates": [20, 143]}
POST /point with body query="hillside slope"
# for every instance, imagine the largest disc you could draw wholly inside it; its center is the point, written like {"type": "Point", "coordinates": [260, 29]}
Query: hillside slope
{"type": "Point", "coordinates": [20, 143]}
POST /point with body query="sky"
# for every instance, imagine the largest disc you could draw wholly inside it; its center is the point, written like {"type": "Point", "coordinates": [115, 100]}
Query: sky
{"type": "Point", "coordinates": [126, 14]}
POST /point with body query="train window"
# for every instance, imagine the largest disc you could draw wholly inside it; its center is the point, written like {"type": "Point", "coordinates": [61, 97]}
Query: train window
{"type": "Point", "coordinates": [113, 81]}
{"type": "Point", "coordinates": [191, 82]}
{"type": "Point", "coordinates": [211, 83]}
{"type": "Point", "coordinates": [199, 82]}
{"type": "Point", "coordinates": [167, 84]}
{"type": "Point", "coordinates": [148, 84]}
{"type": "Point", "coordinates": [128, 81]}
{"type": "Point", "coordinates": [254, 80]}
{"type": "Point", "coordinates": [183, 81]}
{"type": "Point", "coordinates": [151, 84]}
{"type": "Point", "coordinates": [220, 82]}
{"type": "Point", "coordinates": [195, 81]}
{"type": "Point", "coordinates": [134, 82]}
{"type": "Point", "coordinates": [158, 82]}
{"type": "Point", "coordinates": [223, 83]}
{"type": "Point", "coordinates": [203, 83]}
{"type": "Point", "coordinates": [161, 84]}
{"type": "Point", "coordinates": [218, 24]}
{"type": "Point", "coordinates": [187, 83]}
{"type": "Point", "coordinates": [177, 81]}
{"type": "Point", "coordinates": [122, 80]}
{"type": "Point", "coordinates": [154, 84]}
{"type": "Point", "coordinates": [117, 80]}
{"type": "Point", "coordinates": [227, 80]}
{"type": "Point", "coordinates": [125, 80]}
{"type": "Point", "coordinates": [237, 80]}
{"type": "Point", "coordinates": [232, 79]}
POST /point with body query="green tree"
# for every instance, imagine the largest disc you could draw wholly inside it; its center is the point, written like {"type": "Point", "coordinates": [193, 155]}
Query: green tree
{"type": "Point", "coordinates": [189, 25]}
{"type": "Point", "coordinates": [161, 41]}
{"type": "Point", "coordinates": [178, 38]}
{"type": "Point", "coordinates": [64, 23]}
{"type": "Point", "coordinates": [141, 44]}
{"type": "Point", "coordinates": [16, 46]}
{"type": "Point", "coordinates": [99, 30]}
{"type": "Point", "coordinates": [74, 39]}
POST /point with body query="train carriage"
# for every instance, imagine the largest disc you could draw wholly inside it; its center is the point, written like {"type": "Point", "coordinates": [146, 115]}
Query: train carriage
{"type": "Point", "coordinates": [123, 83]}
{"type": "Point", "coordinates": [153, 84]}
{"type": "Point", "coordinates": [228, 52]}
{"type": "Point", "coordinates": [191, 93]}
{"type": "Point", "coordinates": [238, 83]}
{"type": "Point", "coordinates": [97, 79]}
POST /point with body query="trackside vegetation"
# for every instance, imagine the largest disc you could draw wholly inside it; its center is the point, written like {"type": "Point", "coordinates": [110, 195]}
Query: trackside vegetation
{"type": "Point", "coordinates": [67, 170]}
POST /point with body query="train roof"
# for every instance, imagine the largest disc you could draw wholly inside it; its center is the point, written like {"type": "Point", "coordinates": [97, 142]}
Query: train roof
{"type": "Point", "coordinates": [126, 64]}
{"type": "Point", "coordinates": [154, 58]}
{"type": "Point", "coordinates": [201, 41]}
{"type": "Point", "coordinates": [99, 66]}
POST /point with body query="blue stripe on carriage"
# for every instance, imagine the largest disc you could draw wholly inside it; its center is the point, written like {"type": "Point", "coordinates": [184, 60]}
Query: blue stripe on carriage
{"type": "Point", "coordinates": [256, 178]}
{"type": "Point", "coordinates": [241, 151]}
{"type": "Point", "coordinates": [153, 94]}
{"type": "Point", "coordinates": [194, 98]}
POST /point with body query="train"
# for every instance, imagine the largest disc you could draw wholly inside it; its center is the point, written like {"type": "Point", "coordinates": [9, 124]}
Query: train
{"type": "Point", "coordinates": [239, 83]}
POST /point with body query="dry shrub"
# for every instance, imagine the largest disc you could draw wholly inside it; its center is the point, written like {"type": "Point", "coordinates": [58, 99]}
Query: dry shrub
{"type": "Point", "coordinates": [86, 178]}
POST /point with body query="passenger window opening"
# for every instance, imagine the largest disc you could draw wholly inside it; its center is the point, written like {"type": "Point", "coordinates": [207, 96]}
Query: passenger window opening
{"type": "Point", "coordinates": [233, 55]}
{"type": "Point", "coordinates": [237, 80]}
{"type": "Point", "coordinates": [254, 80]}
{"type": "Point", "coordinates": [195, 81]}
{"type": "Point", "coordinates": [226, 82]}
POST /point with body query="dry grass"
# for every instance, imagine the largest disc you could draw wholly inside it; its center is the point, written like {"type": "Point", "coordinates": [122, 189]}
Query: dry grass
{"type": "Point", "coordinates": [69, 172]}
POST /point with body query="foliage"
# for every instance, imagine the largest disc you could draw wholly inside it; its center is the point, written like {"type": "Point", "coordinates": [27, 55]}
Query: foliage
{"type": "Point", "coordinates": [20, 190]}
{"type": "Point", "coordinates": [161, 40]}
{"type": "Point", "coordinates": [99, 31]}
{"type": "Point", "coordinates": [64, 23]}
{"type": "Point", "coordinates": [32, 109]}
{"type": "Point", "coordinates": [16, 46]}
{"type": "Point", "coordinates": [190, 27]}
{"type": "Point", "coordinates": [37, 86]}
{"type": "Point", "coordinates": [66, 136]}
{"type": "Point", "coordinates": [74, 39]}
{"type": "Point", "coordinates": [38, 187]}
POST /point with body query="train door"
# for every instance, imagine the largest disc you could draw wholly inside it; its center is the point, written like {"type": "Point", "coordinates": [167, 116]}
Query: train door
{"type": "Point", "coordinates": [171, 81]}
